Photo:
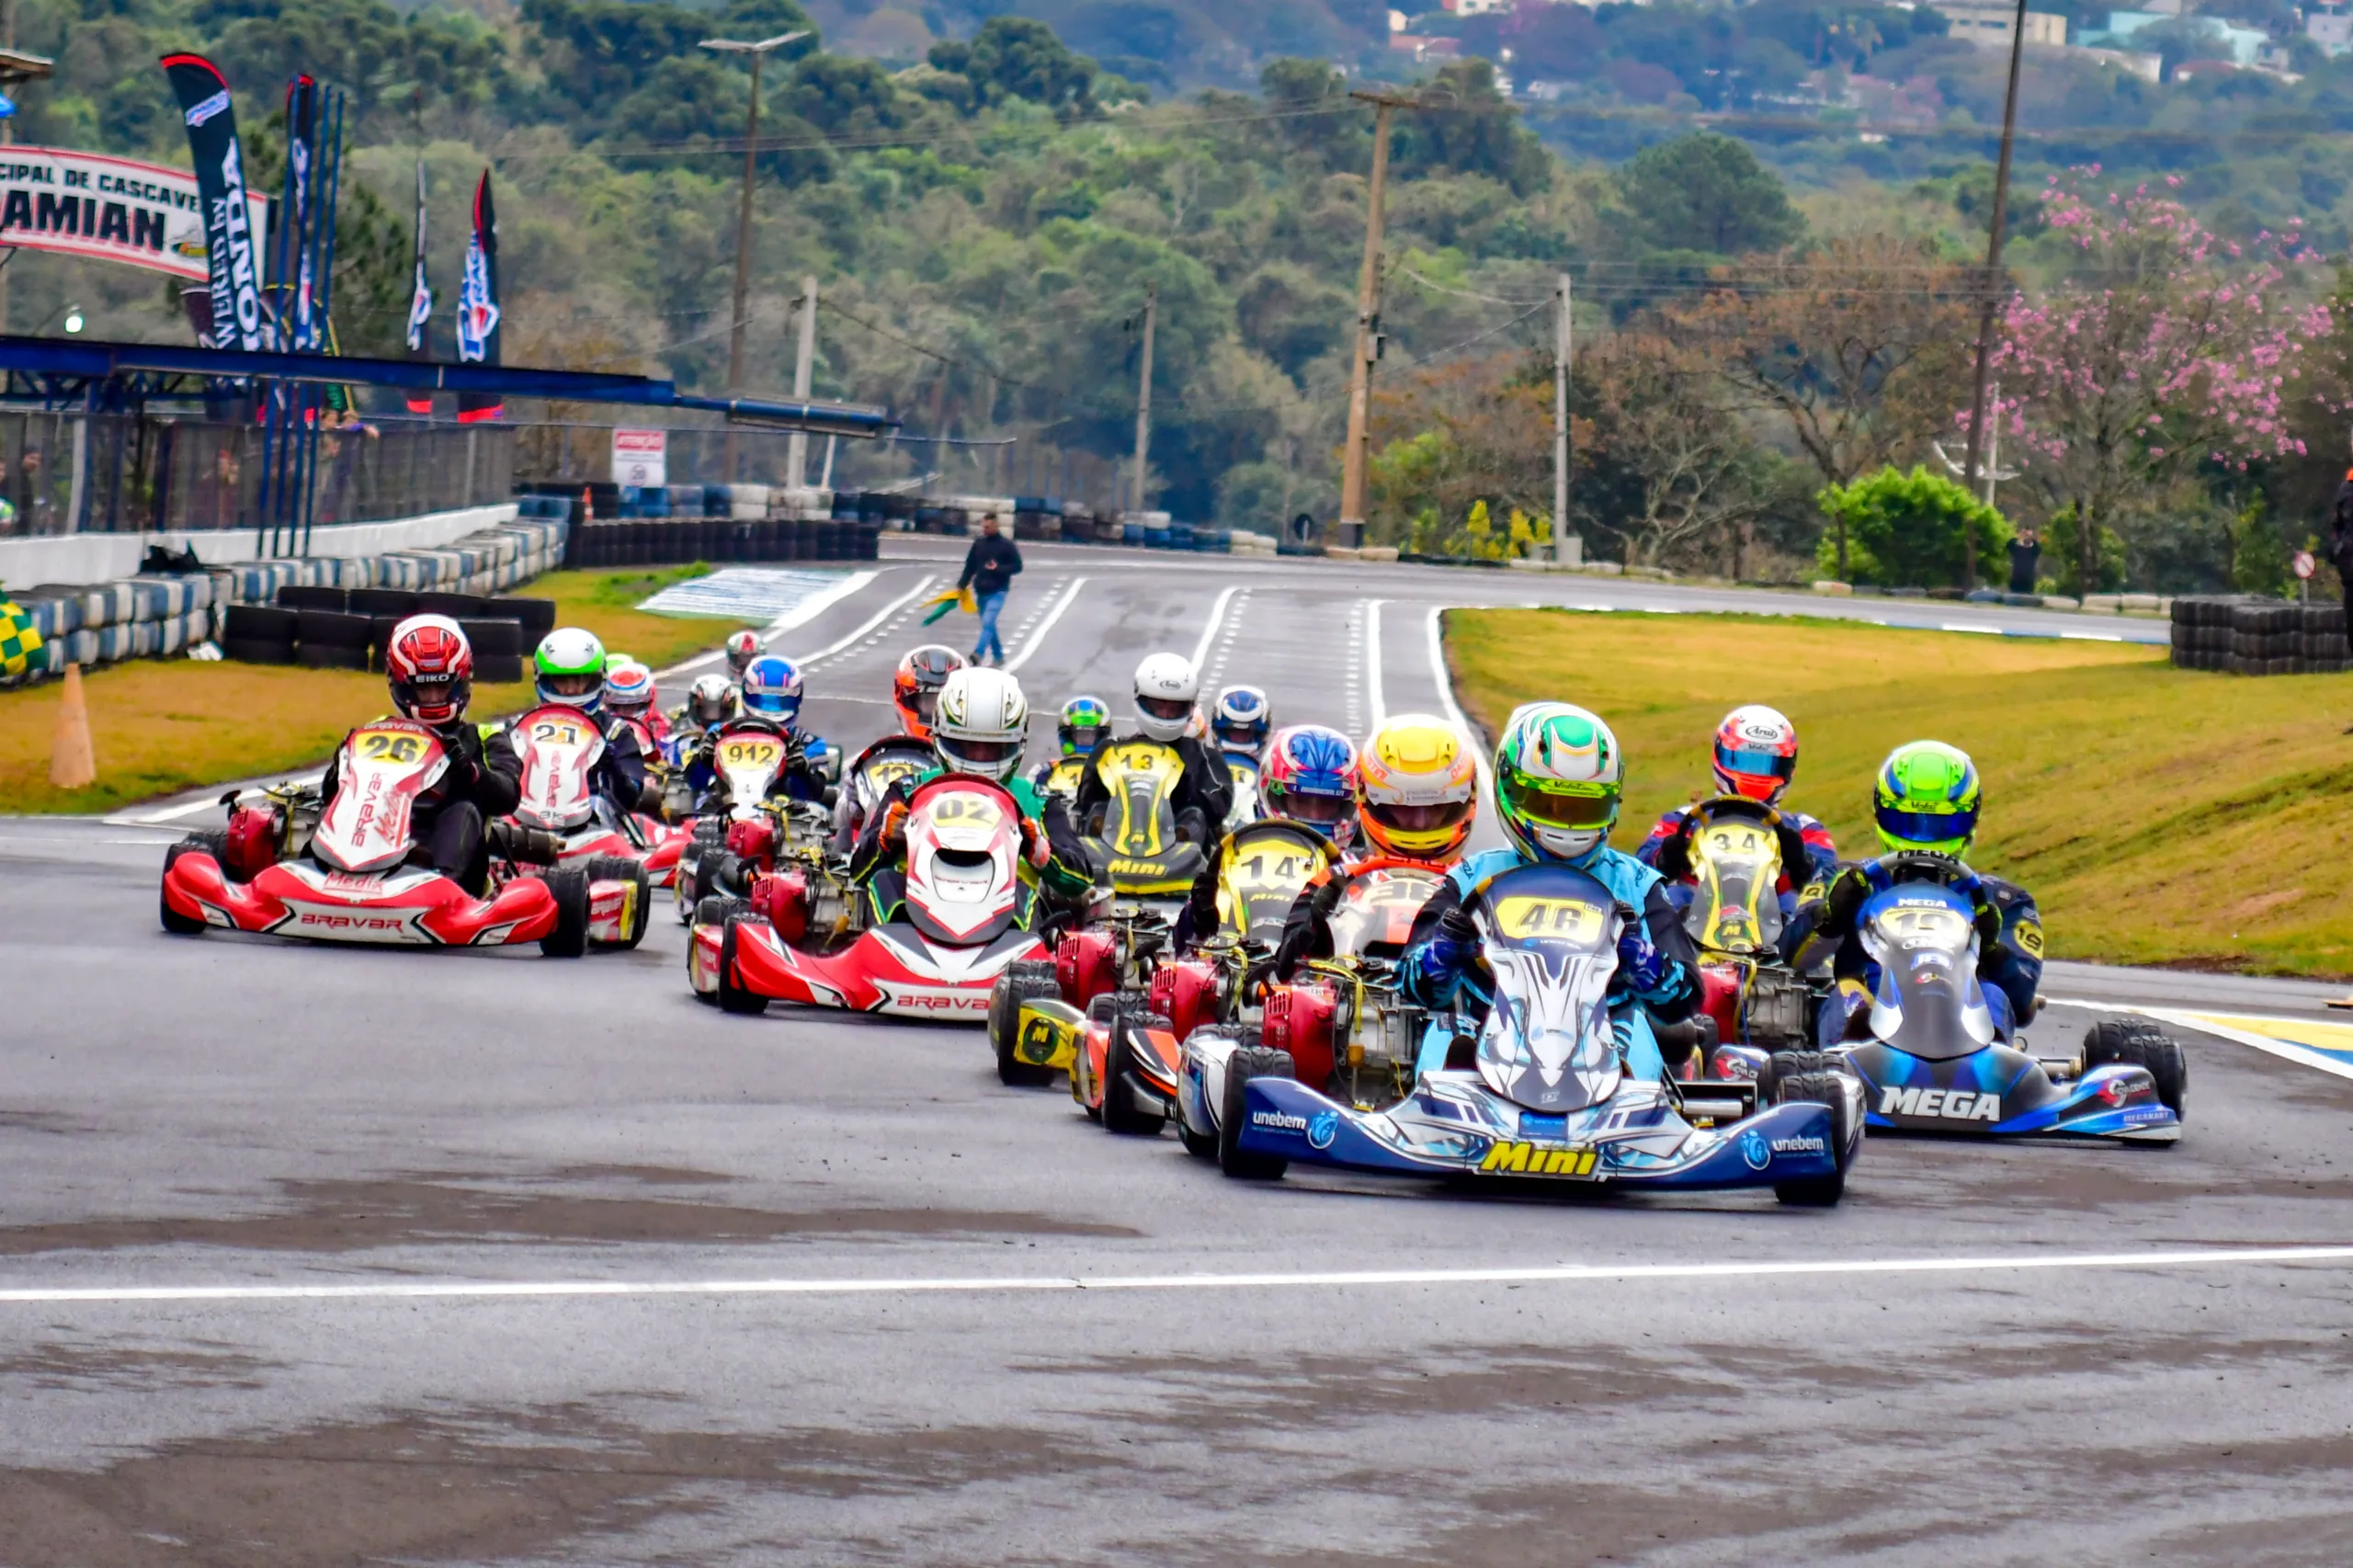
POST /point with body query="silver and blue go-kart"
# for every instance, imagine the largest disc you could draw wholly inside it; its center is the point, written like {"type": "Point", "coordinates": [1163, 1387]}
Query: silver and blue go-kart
{"type": "Point", "coordinates": [1549, 1094]}
{"type": "Point", "coordinates": [1934, 1061]}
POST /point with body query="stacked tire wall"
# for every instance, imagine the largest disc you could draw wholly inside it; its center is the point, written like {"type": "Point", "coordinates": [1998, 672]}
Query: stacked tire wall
{"type": "Point", "coordinates": [2247, 636]}
{"type": "Point", "coordinates": [667, 541]}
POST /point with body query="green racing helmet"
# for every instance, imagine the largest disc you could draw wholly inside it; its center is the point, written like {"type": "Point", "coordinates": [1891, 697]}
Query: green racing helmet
{"type": "Point", "coordinates": [1085, 723]}
{"type": "Point", "coordinates": [1926, 799]}
{"type": "Point", "coordinates": [1559, 777]}
{"type": "Point", "coordinates": [569, 667]}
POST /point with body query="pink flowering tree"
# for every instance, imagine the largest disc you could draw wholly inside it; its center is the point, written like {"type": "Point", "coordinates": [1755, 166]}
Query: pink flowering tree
{"type": "Point", "coordinates": [2163, 347]}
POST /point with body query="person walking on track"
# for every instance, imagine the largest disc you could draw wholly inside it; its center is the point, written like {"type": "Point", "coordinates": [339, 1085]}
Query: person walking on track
{"type": "Point", "coordinates": [990, 567]}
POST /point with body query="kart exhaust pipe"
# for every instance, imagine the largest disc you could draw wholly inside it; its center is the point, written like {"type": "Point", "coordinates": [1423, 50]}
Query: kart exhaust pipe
{"type": "Point", "coordinates": [524, 846]}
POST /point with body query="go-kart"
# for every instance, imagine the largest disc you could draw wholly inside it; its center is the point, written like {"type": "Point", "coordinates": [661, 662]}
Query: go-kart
{"type": "Point", "coordinates": [869, 777]}
{"type": "Point", "coordinates": [342, 872]}
{"type": "Point", "coordinates": [1133, 835]}
{"type": "Point", "coordinates": [559, 749]}
{"type": "Point", "coordinates": [739, 818]}
{"type": "Point", "coordinates": [1262, 867]}
{"type": "Point", "coordinates": [937, 936]}
{"type": "Point", "coordinates": [1543, 1091]}
{"type": "Point", "coordinates": [1751, 1003]}
{"type": "Point", "coordinates": [1928, 1055]}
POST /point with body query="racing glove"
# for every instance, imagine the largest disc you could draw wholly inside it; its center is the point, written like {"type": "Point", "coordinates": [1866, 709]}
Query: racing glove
{"type": "Point", "coordinates": [1638, 959]}
{"type": "Point", "coordinates": [1326, 898]}
{"type": "Point", "coordinates": [462, 742]}
{"type": "Point", "coordinates": [1674, 850]}
{"type": "Point", "coordinates": [1034, 846]}
{"type": "Point", "coordinates": [894, 837]}
{"type": "Point", "coordinates": [1450, 952]}
{"type": "Point", "coordinates": [1844, 902]}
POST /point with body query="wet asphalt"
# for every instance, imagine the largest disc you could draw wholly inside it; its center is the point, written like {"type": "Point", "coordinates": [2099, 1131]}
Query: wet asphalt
{"type": "Point", "coordinates": [223, 1111]}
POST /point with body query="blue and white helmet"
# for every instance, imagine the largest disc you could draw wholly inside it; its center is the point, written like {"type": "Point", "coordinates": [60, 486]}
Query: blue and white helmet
{"type": "Point", "coordinates": [772, 688]}
{"type": "Point", "coordinates": [1310, 776]}
{"type": "Point", "coordinates": [1242, 720]}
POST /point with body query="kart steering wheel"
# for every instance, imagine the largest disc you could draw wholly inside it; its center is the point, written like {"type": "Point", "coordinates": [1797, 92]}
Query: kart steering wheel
{"type": "Point", "coordinates": [1920, 866]}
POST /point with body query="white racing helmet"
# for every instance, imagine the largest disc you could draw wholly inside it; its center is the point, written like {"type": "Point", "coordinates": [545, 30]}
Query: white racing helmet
{"type": "Point", "coordinates": [1167, 692]}
{"type": "Point", "coordinates": [981, 724]}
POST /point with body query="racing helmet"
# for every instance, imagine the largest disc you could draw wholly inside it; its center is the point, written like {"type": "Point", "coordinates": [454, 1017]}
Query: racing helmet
{"type": "Point", "coordinates": [1167, 689]}
{"type": "Point", "coordinates": [1242, 720]}
{"type": "Point", "coordinates": [742, 647]}
{"type": "Point", "coordinates": [1757, 753]}
{"type": "Point", "coordinates": [1083, 727]}
{"type": "Point", "coordinates": [569, 668]}
{"type": "Point", "coordinates": [981, 723]}
{"type": "Point", "coordinates": [1310, 776]}
{"type": "Point", "coordinates": [772, 688]}
{"type": "Point", "coordinates": [629, 687]}
{"type": "Point", "coordinates": [1559, 778]}
{"type": "Point", "coordinates": [1417, 789]}
{"type": "Point", "coordinates": [711, 700]}
{"type": "Point", "coordinates": [1926, 799]}
{"type": "Point", "coordinates": [915, 688]}
{"type": "Point", "coordinates": [431, 668]}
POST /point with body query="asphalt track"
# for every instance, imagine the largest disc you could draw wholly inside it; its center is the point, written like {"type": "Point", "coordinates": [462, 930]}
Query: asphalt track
{"type": "Point", "coordinates": [314, 1256]}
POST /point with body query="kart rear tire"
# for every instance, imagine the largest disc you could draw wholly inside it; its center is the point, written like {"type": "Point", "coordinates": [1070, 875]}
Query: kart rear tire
{"type": "Point", "coordinates": [719, 909]}
{"type": "Point", "coordinates": [570, 937]}
{"type": "Point", "coordinates": [180, 924]}
{"type": "Point", "coordinates": [622, 869]}
{"type": "Point", "coordinates": [1019, 984]}
{"type": "Point", "coordinates": [1245, 1064]}
{"type": "Point", "coordinates": [1790, 1064]}
{"type": "Point", "coordinates": [733, 998]}
{"type": "Point", "coordinates": [1828, 1088]}
{"type": "Point", "coordinates": [1121, 1112]}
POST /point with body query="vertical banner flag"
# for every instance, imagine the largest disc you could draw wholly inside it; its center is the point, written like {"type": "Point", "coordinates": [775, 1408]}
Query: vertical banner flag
{"type": "Point", "coordinates": [420, 303]}
{"type": "Point", "coordinates": [478, 305]}
{"type": "Point", "coordinates": [299, 317]}
{"type": "Point", "coordinates": [231, 249]}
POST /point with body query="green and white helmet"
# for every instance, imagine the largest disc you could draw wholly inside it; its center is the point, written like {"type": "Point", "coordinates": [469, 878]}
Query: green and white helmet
{"type": "Point", "coordinates": [570, 668]}
{"type": "Point", "coordinates": [1559, 776]}
{"type": "Point", "coordinates": [981, 724]}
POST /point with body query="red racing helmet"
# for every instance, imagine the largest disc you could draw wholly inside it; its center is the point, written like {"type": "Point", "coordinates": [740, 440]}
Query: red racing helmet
{"type": "Point", "coordinates": [431, 668]}
{"type": "Point", "coordinates": [1757, 753]}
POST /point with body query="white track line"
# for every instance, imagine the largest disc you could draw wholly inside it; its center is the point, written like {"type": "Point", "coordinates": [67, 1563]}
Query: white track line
{"type": "Point", "coordinates": [457, 1289]}
{"type": "Point", "coordinates": [1452, 709]}
{"type": "Point", "coordinates": [1376, 700]}
{"type": "Point", "coordinates": [1037, 638]}
{"type": "Point", "coordinates": [879, 617]}
{"type": "Point", "coordinates": [2186, 1019]}
{"type": "Point", "coordinates": [799, 615]}
{"type": "Point", "coordinates": [1209, 631]}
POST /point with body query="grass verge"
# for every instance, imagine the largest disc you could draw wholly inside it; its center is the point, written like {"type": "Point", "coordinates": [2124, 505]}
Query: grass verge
{"type": "Point", "coordinates": [2158, 815]}
{"type": "Point", "coordinates": [162, 725]}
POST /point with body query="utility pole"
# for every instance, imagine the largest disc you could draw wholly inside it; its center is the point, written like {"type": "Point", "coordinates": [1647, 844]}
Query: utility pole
{"type": "Point", "coordinates": [1993, 274]}
{"type": "Point", "coordinates": [804, 368]}
{"type": "Point", "coordinates": [1352, 458]}
{"type": "Point", "coordinates": [758, 52]}
{"type": "Point", "coordinates": [1143, 393]}
{"type": "Point", "coordinates": [1561, 428]}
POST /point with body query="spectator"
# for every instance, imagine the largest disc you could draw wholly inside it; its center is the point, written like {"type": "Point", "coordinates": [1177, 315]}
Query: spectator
{"type": "Point", "coordinates": [2026, 552]}
{"type": "Point", "coordinates": [989, 570]}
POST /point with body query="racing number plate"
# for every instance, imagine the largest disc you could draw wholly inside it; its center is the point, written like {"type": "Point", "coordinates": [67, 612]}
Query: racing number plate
{"type": "Point", "coordinates": [1561, 1162]}
{"type": "Point", "coordinates": [758, 750]}
{"type": "Point", "coordinates": [560, 732]}
{"type": "Point", "coordinates": [397, 747]}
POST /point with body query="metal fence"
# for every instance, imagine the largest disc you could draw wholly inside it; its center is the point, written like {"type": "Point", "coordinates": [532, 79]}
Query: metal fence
{"type": "Point", "coordinates": [578, 452]}
{"type": "Point", "coordinates": [119, 473]}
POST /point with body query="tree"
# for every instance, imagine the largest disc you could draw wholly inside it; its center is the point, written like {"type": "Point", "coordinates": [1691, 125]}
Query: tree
{"type": "Point", "coordinates": [1902, 529]}
{"type": "Point", "coordinates": [1706, 192]}
{"type": "Point", "coordinates": [1692, 474]}
{"type": "Point", "coordinates": [2165, 350]}
{"type": "Point", "coordinates": [1013, 57]}
{"type": "Point", "coordinates": [1470, 129]}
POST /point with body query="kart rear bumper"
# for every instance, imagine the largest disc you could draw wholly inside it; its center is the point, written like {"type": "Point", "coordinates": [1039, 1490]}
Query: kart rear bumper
{"type": "Point", "coordinates": [405, 907]}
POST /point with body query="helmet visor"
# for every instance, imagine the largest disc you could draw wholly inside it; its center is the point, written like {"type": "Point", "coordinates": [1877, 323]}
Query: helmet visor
{"type": "Point", "coordinates": [978, 757]}
{"type": "Point", "coordinates": [1302, 807]}
{"type": "Point", "coordinates": [1166, 708]}
{"type": "Point", "coordinates": [1420, 819]}
{"type": "Point", "coordinates": [1927, 827]}
{"type": "Point", "coordinates": [925, 702]}
{"type": "Point", "coordinates": [1081, 739]}
{"type": "Point", "coordinates": [1757, 764]}
{"type": "Point", "coordinates": [1577, 807]}
{"type": "Point", "coordinates": [775, 704]}
{"type": "Point", "coordinates": [572, 683]}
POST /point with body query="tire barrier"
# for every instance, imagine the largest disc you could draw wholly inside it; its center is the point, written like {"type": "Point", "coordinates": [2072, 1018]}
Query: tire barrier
{"type": "Point", "coordinates": [2248, 636]}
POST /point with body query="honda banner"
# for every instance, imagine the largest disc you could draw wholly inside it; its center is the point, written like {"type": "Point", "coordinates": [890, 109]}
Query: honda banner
{"type": "Point", "coordinates": [231, 235]}
{"type": "Point", "coordinates": [87, 204]}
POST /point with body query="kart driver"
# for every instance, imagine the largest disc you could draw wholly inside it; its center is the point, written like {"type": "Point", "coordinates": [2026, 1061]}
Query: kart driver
{"type": "Point", "coordinates": [1167, 692]}
{"type": "Point", "coordinates": [1926, 802]}
{"type": "Point", "coordinates": [1310, 778]}
{"type": "Point", "coordinates": [430, 668]}
{"type": "Point", "coordinates": [1756, 757]}
{"type": "Point", "coordinates": [742, 647]}
{"type": "Point", "coordinates": [628, 696]}
{"type": "Point", "coordinates": [771, 701]}
{"type": "Point", "coordinates": [1417, 795]}
{"type": "Point", "coordinates": [1084, 724]}
{"type": "Point", "coordinates": [980, 725]}
{"type": "Point", "coordinates": [915, 692]}
{"type": "Point", "coordinates": [568, 671]}
{"type": "Point", "coordinates": [1559, 775]}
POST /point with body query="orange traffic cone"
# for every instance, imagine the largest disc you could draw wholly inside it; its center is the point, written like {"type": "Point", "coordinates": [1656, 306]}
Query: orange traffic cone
{"type": "Point", "coordinates": [70, 765]}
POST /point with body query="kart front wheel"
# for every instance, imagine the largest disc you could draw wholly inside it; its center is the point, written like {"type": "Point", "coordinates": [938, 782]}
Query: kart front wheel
{"type": "Point", "coordinates": [1828, 1089]}
{"type": "Point", "coordinates": [2139, 1043]}
{"type": "Point", "coordinates": [622, 869]}
{"type": "Point", "coordinates": [1121, 1112]}
{"type": "Point", "coordinates": [1021, 984]}
{"type": "Point", "coordinates": [569, 938]}
{"type": "Point", "coordinates": [180, 924]}
{"type": "Point", "coordinates": [1245, 1064]}
{"type": "Point", "coordinates": [732, 997]}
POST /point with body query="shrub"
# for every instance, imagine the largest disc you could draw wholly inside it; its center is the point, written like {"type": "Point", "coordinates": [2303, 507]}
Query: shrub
{"type": "Point", "coordinates": [1906, 529]}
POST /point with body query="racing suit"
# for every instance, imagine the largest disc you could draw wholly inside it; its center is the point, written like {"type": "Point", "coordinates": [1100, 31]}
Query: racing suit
{"type": "Point", "coordinates": [2009, 953]}
{"type": "Point", "coordinates": [447, 820]}
{"type": "Point", "coordinates": [1656, 976]}
{"type": "Point", "coordinates": [803, 777]}
{"type": "Point", "coordinates": [1203, 797]}
{"type": "Point", "coordinates": [617, 782]}
{"type": "Point", "coordinates": [1064, 879]}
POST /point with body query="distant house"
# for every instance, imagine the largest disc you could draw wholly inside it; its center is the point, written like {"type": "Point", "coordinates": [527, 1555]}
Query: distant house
{"type": "Point", "coordinates": [2333, 30]}
{"type": "Point", "coordinates": [1989, 23]}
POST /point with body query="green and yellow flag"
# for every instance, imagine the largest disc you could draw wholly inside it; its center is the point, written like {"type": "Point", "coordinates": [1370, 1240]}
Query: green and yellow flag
{"type": "Point", "coordinates": [19, 640]}
{"type": "Point", "coordinates": [954, 599]}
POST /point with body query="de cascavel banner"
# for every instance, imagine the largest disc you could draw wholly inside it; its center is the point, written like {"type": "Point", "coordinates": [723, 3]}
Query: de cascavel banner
{"type": "Point", "coordinates": [232, 237]}
{"type": "Point", "coordinates": [107, 209]}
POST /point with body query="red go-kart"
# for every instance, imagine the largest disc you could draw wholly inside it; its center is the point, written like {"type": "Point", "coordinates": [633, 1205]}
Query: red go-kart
{"type": "Point", "coordinates": [343, 875]}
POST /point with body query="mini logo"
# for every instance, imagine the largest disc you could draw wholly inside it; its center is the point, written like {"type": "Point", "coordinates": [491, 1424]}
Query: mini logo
{"type": "Point", "coordinates": [1752, 1150]}
{"type": "Point", "coordinates": [1322, 1129]}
